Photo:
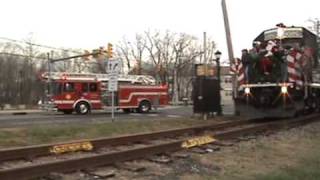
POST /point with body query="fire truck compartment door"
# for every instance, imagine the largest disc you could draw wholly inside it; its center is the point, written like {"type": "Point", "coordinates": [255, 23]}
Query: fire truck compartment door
{"type": "Point", "coordinates": [107, 98]}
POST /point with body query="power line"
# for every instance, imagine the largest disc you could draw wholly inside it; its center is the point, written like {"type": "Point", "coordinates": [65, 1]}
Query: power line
{"type": "Point", "coordinates": [53, 60]}
{"type": "Point", "coordinates": [39, 45]}
{"type": "Point", "coordinates": [21, 55]}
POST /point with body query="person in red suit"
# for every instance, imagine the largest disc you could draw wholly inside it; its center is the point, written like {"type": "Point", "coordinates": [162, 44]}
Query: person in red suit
{"type": "Point", "coordinates": [266, 65]}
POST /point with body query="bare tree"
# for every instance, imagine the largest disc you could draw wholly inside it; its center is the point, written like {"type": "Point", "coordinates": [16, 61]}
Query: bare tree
{"type": "Point", "coordinates": [315, 27]}
{"type": "Point", "coordinates": [132, 51]}
{"type": "Point", "coordinates": [123, 52]}
{"type": "Point", "coordinates": [170, 56]}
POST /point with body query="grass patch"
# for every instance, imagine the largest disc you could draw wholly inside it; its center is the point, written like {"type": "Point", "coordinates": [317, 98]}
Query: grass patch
{"type": "Point", "coordinates": [307, 170]}
{"type": "Point", "coordinates": [58, 133]}
{"type": "Point", "coordinates": [308, 167]}
{"type": "Point", "coordinates": [287, 155]}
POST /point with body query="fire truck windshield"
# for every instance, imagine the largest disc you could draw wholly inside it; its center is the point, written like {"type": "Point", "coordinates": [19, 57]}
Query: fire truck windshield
{"type": "Point", "coordinates": [68, 87]}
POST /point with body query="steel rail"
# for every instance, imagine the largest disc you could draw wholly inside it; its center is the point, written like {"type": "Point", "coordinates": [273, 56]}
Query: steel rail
{"type": "Point", "coordinates": [136, 153]}
{"type": "Point", "coordinates": [30, 152]}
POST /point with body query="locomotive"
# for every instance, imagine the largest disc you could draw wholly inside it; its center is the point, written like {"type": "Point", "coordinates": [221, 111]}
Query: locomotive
{"type": "Point", "coordinates": [279, 76]}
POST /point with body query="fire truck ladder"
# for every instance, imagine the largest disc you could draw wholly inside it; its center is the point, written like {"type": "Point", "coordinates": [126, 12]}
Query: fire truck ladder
{"type": "Point", "coordinates": [139, 79]}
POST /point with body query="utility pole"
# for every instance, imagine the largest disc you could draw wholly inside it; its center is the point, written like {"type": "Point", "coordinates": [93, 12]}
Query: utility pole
{"type": "Point", "coordinates": [205, 114]}
{"type": "Point", "coordinates": [230, 48]}
{"type": "Point", "coordinates": [227, 29]}
{"type": "Point", "coordinates": [205, 48]}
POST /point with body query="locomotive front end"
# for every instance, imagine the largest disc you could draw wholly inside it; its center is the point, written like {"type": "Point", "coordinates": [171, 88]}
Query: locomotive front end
{"type": "Point", "coordinates": [272, 76]}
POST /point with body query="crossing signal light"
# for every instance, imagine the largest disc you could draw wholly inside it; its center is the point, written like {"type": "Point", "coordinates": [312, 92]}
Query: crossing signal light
{"type": "Point", "coordinates": [110, 50]}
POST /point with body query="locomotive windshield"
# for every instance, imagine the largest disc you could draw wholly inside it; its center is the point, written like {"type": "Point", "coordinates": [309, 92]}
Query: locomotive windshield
{"type": "Point", "coordinates": [293, 32]}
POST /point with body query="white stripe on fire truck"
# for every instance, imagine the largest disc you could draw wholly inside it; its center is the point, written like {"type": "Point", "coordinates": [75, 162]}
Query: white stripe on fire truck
{"type": "Point", "coordinates": [141, 93]}
{"type": "Point", "coordinates": [63, 101]}
{"type": "Point", "coordinates": [143, 87]}
{"type": "Point", "coordinates": [95, 101]}
{"type": "Point", "coordinates": [72, 101]}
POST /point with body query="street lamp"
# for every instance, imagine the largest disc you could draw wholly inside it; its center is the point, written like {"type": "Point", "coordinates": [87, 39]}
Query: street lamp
{"type": "Point", "coordinates": [217, 55]}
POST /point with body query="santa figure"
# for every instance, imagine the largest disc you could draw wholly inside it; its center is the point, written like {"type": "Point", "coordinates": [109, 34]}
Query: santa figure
{"type": "Point", "coordinates": [266, 62]}
{"type": "Point", "coordinates": [266, 65]}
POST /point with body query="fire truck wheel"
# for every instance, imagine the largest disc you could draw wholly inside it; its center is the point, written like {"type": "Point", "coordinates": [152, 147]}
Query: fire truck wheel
{"type": "Point", "coordinates": [82, 108]}
{"type": "Point", "coordinates": [144, 107]}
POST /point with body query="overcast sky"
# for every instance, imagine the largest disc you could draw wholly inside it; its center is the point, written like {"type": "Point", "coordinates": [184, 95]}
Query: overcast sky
{"type": "Point", "coordinates": [88, 24]}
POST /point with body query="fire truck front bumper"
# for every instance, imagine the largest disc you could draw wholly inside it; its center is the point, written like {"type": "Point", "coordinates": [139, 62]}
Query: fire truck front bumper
{"type": "Point", "coordinates": [48, 106]}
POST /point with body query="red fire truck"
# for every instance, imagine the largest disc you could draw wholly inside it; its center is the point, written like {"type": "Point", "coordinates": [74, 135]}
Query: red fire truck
{"type": "Point", "coordinates": [69, 92]}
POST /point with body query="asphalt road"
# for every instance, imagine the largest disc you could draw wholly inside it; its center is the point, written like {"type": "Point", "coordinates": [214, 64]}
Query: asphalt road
{"type": "Point", "coordinates": [9, 120]}
{"type": "Point", "coordinates": [38, 117]}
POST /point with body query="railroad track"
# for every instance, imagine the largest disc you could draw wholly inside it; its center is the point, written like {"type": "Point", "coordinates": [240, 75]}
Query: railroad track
{"type": "Point", "coordinates": [108, 151]}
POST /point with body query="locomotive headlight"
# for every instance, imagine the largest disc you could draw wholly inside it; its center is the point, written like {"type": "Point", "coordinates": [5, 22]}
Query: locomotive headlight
{"type": "Point", "coordinates": [247, 90]}
{"type": "Point", "coordinates": [284, 89]}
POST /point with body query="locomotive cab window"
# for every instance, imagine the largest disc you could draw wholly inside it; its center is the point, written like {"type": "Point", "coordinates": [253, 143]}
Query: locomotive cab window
{"type": "Point", "coordinates": [68, 87]}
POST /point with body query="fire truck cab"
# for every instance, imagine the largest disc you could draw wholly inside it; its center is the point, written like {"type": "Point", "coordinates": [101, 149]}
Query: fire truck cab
{"type": "Point", "coordinates": [69, 92]}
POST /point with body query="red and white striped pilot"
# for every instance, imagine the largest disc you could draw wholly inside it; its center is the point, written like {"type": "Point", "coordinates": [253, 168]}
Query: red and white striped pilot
{"type": "Point", "coordinates": [294, 67]}
{"type": "Point", "coordinates": [237, 68]}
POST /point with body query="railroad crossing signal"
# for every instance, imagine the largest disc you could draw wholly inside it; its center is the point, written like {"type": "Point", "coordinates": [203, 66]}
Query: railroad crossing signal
{"type": "Point", "coordinates": [110, 50]}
